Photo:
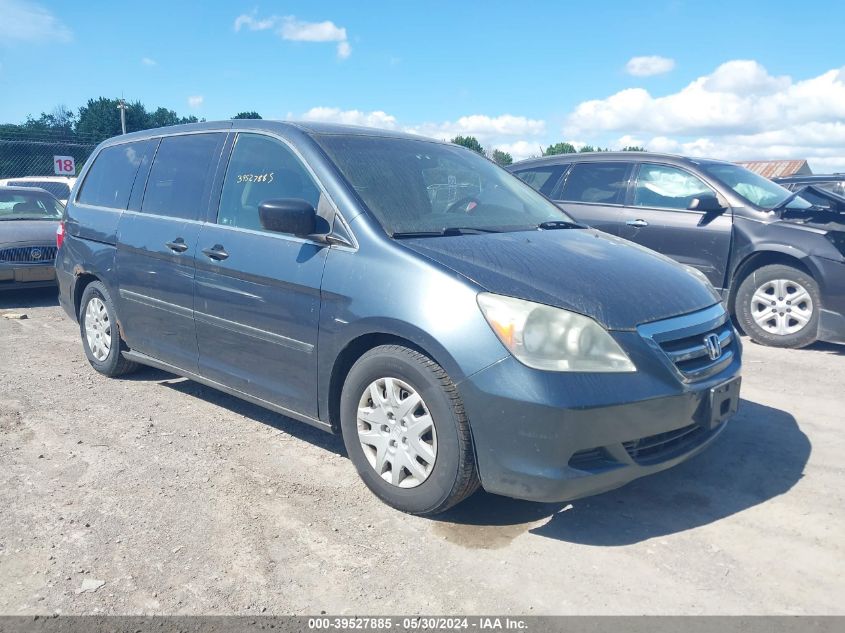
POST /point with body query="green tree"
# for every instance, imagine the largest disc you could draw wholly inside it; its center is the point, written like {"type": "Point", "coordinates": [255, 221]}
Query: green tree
{"type": "Point", "coordinates": [502, 158]}
{"type": "Point", "coordinates": [633, 148]}
{"type": "Point", "coordinates": [469, 141]}
{"type": "Point", "coordinates": [100, 118]}
{"type": "Point", "coordinates": [247, 115]}
{"type": "Point", "coordinates": [559, 148]}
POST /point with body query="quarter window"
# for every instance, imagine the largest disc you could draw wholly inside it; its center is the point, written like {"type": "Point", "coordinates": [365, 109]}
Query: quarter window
{"type": "Point", "coordinates": [181, 174]}
{"type": "Point", "coordinates": [110, 179]}
{"type": "Point", "coordinates": [543, 179]}
{"type": "Point", "coordinates": [667, 187]}
{"type": "Point", "coordinates": [597, 183]}
{"type": "Point", "coordinates": [261, 168]}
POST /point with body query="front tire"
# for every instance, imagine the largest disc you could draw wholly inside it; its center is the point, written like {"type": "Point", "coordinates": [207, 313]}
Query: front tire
{"type": "Point", "coordinates": [100, 332]}
{"type": "Point", "coordinates": [779, 305]}
{"type": "Point", "coordinates": [406, 432]}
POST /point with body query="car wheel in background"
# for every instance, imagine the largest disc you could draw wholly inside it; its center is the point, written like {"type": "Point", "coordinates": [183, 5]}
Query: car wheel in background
{"type": "Point", "coordinates": [406, 432]}
{"type": "Point", "coordinates": [779, 305]}
{"type": "Point", "coordinates": [100, 334]}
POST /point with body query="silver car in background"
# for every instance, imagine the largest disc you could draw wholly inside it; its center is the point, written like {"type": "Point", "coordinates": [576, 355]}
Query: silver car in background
{"type": "Point", "coordinates": [28, 221]}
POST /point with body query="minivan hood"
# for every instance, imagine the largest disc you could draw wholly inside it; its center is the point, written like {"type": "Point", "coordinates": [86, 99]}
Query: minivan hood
{"type": "Point", "coordinates": [15, 231]}
{"type": "Point", "coordinates": [619, 284]}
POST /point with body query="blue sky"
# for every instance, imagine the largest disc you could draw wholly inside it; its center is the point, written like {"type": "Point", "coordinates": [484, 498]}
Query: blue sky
{"type": "Point", "coordinates": [732, 79]}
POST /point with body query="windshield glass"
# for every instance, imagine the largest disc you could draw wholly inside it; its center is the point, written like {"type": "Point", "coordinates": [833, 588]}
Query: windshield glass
{"type": "Point", "coordinates": [29, 206]}
{"type": "Point", "coordinates": [59, 189]}
{"type": "Point", "coordinates": [756, 189]}
{"type": "Point", "coordinates": [415, 186]}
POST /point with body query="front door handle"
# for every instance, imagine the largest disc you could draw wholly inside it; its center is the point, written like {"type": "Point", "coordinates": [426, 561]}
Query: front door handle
{"type": "Point", "coordinates": [177, 246]}
{"type": "Point", "coordinates": [216, 252]}
{"type": "Point", "coordinates": [637, 223]}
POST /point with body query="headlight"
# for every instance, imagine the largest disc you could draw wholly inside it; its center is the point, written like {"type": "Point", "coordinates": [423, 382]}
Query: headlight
{"type": "Point", "coordinates": [549, 338]}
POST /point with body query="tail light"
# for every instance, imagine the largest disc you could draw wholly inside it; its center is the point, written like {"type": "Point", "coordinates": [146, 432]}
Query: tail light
{"type": "Point", "coordinates": [60, 234]}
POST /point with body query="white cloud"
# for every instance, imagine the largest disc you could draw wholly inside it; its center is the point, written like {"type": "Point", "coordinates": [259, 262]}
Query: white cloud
{"type": "Point", "coordinates": [376, 118]}
{"type": "Point", "coordinates": [483, 127]}
{"type": "Point", "coordinates": [195, 101]}
{"type": "Point", "coordinates": [290, 28]}
{"type": "Point", "coordinates": [649, 65]}
{"type": "Point", "coordinates": [25, 21]}
{"type": "Point", "coordinates": [739, 111]}
{"type": "Point", "coordinates": [149, 61]}
{"type": "Point", "coordinates": [520, 150]}
{"type": "Point", "coordinates": [254, 24]}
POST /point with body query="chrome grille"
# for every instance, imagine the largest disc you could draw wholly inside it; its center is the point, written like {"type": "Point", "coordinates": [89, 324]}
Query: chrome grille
{"type": "Point", "coordinates": [29, 254]}
{"type": "Point", "coordinates": [683, 341]}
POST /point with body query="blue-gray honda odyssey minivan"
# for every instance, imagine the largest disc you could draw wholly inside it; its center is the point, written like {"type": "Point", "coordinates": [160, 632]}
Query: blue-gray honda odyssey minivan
{"type": "Point", "coordinates": [454, 325]}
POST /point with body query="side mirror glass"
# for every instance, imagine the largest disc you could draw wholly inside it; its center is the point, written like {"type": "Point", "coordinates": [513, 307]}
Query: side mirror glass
{"type": "Point", "coordinates": [707, 202]}
{"type": "Point", "coordinates": [288, 215]}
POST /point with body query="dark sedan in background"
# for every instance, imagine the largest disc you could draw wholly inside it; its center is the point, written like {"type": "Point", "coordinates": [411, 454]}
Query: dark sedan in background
{"type": "Point", "coordinates": [777, 256]}
{"type": "Point", "coordinates": [28, 222]}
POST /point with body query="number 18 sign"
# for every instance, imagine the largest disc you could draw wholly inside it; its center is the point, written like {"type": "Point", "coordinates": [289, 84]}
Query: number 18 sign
{"type": "Point", "coordinates": [64, 165]}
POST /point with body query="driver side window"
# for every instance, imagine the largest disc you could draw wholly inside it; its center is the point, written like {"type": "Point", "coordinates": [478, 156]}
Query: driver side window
{"type": "Point", "coordinates": [261, 168]}
{"type": "Point", "coordinates": [667, 187]}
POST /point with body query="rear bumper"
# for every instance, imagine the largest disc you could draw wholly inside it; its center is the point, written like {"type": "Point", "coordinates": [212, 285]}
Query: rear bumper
{"type": "Point", "coordinates": [20, 276]}
{"type": "Point", "coordinates": [553, 437]}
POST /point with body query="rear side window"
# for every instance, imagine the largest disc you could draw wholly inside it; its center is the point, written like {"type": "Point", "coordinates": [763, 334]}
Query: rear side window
{"type": "Point", "coordinates": [181, 174]}
{"type": "Point", "coordinates": [597, 183]}
{"type": "Point", "coordinates": [261, 168]}
{"type": "Point", "coordinates": [543, 179]}
{"type": "Point", "coordinates": [110, 179]}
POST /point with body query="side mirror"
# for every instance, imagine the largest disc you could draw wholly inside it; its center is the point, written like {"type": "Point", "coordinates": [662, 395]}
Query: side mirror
{"type": "Point", "coordinates": [706, 202]}
{"type": "Point", "coordinates": [288, 215]}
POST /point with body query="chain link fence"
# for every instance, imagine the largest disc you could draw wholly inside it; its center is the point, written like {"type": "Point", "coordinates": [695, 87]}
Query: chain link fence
{"type": "Point", "coordinates": [41, 154]}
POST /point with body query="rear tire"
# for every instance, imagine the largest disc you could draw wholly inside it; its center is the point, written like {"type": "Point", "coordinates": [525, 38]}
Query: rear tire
{"type": "Point", "coordinates": [406, 431]}
{"type": "Point", "coordinates": [778, 305]}
{"type": "Point", "coordinates": [100, 332]}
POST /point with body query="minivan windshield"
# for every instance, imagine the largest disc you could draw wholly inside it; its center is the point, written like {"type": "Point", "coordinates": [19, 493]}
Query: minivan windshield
{"type": "Point", "coordinates": [756, 189]}
{"type": "Point", "coordinates": [424, 187]}
{"type": "Point", "coordinates": [15, 205]}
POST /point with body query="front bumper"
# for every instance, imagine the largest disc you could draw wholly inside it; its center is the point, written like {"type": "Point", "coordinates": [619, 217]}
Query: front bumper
{"type": "Point", "coordinates": [19, 276]}
{"type": "Point", "coordinates": [551, 437]}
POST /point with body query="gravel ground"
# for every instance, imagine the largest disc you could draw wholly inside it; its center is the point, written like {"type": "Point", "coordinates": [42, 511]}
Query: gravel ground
{"type": "Point", "coordinates": [156, 495]}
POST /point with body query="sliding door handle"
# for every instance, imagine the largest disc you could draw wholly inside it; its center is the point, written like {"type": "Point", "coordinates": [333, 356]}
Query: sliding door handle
{"type": "Point", "coordinates": [216, 252]}
{"type": "Point", "coordinates": [177, 246]}
{"type": "Point", "coordinates": [637, 223]}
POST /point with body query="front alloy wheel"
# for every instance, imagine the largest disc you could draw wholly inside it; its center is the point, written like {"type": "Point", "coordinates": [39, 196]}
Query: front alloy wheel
{"type": "Point", "coordinates": [779, 305]}
{"type": "Point", "coordinates": [782, 306]}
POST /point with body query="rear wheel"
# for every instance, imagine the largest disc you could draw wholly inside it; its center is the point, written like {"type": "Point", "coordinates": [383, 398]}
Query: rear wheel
{"type": "Point", "coordinates": [406, 432]}
{"type": "Point", "coordinates": [778, 305]}
{"type": "Point", "coordinates": [100, 332]}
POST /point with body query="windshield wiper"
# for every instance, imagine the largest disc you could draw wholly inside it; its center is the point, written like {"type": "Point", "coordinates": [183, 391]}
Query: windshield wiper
{"type": "Point", "coordinates": [550, 225]}
{"type": "Point", "coordinates": [449, 230]}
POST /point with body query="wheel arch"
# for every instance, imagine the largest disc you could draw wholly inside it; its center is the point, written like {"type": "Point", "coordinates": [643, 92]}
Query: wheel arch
{"type": "Point", "coordinates": [355, 349]}
{"type": "Point", "coordinates": [760, 258]}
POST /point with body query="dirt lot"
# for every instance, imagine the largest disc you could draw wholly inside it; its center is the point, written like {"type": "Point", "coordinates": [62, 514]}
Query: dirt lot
{"type": "Point", "coordinates": [153, 494]}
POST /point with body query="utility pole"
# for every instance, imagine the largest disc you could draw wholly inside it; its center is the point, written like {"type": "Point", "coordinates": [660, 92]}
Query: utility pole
{"type": "Point", "coordinates": [122, 107]}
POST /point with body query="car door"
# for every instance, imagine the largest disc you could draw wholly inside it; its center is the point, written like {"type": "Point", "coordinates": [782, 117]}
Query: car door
{"type": "Point", "coordinates": [594, 192]}
{"type": "Point", "coordinates": [156, 247]}
{"type": "Point", "coordinates": [258, 292]}
{"type": "Point", "coordinates": [659, 218]}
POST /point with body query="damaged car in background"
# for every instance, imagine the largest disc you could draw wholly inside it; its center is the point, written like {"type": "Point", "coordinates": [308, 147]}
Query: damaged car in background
{"type": "Point", "coordinates": [776, 256]}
